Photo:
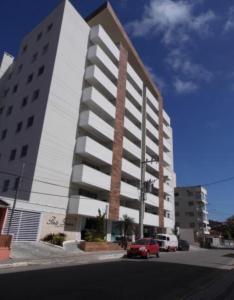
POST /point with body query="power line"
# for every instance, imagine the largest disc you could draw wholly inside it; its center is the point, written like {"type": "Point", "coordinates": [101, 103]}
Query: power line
{"type": "Point", "coordinates": [218, 181]}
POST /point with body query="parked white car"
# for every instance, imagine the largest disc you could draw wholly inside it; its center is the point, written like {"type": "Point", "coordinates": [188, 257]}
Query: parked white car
{"type": "Point", "coordinates": [167, 242]}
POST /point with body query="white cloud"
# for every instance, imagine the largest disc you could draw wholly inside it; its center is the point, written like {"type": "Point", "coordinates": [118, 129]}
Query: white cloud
{"type": "Point", "coordinates": [181, 63]}
{"type": "Point", "coordinates": [185, 87]}
{"type": "Point", "coordinates": [173, 19]}
{"type": "Point", "coordinates": [229, 25]}
{"type": "Point", "coordinates": [157, 79]}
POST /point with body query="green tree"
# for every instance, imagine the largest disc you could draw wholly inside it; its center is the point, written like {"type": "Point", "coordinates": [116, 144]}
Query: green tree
{"type": "Point", "coordinates": [127, 225]}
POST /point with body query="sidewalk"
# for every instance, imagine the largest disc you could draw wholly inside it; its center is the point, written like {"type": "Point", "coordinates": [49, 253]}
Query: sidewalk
{"type": "Point", "coordinates": [75, 259]}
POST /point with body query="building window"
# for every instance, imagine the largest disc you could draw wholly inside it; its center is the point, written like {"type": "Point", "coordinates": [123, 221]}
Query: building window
{"type": "Point", "coordinates": [177, 214]}
{"type": "Point", "coordinates": [15, 88]}
{"type": "Point", "coordinates": [9, 76]}
{"type": "Point", "coordinates": [30, 121]}
{"type": "Point", "coordinates": [45, 49]}
{"type": "Point", "coordinates": [198, 195]}
{"type": "Point", "coordinates": [190, 203]}
{"type": "Point", "coordinates": [34, 57]}
{"type": "Point", "coordinates": [24, 151]}
{"type": "Point", "coordinates": [30, 78]}
{"type": "Point", "coordinates": [24, 102]}
{"type": "Point", "coordinates": [49, 27]}
{"type": "Point", "coordinates": [6, 185]}
{"type": "Point", "coordinates": [4, 134]}
{"type": "Point", "coordinates": [12, 155]}
{"type": "Point", "coordinates": [1, 110]}
{"type": "Point", "coordinates": [35, 95]}
{"type": "Point", "coordinates": [189, 193]}
{"type": "Point", "coordinates": [41, 70]}
{"type": "Point", "coordinates": [16, 184]}
{"type": "Point", "coordinates": [19, 127]}
{"type": "Point", "coordinates": [5, 93]}
{"type": "Point", "coordinates": [39, 36]}
{"type": "Point", "coordinates": [192, 225]}
{"type": "Point", "coordinates": [20, 67]}
{"type": "Point", "coordinates": [9, 110]}
{"type": "Point", "coordinates": [25, 47]}
{"type": "Point", "coordinates": [177, 194]}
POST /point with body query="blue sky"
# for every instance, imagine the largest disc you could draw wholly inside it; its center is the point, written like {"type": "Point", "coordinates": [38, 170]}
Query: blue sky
{"type": "Point", "coordinates": [187, 46]}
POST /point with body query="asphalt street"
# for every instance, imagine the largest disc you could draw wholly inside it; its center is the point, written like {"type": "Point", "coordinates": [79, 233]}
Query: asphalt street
{"type": "Point", "coordinates": [123, 279]}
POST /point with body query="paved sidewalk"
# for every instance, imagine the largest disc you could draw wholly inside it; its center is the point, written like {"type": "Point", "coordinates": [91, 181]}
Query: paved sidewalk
{"type": "Point", "coordinates": [75, 259]}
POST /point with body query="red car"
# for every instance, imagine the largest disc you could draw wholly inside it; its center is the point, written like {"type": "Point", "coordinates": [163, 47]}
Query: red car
{"type": "Point", "coordinates": [144, 248]}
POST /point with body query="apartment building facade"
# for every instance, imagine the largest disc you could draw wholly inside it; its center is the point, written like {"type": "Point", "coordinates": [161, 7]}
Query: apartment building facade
{"type": "Point", "coordinates": [191, 209]}
{"type": "Point", "coordinates": [80, 116]}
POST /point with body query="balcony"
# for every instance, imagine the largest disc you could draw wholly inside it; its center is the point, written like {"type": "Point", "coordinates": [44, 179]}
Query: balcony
{"type": "Point", "coordinates": [79, 205]}
{"type": "Point", "coordinates": [104, 85]}
{"type": "Point", "coordinates": [168, 189]}
{"type": "Point", "coordinates": [166, 118]}
{"type": "Point", "coordinates": [92, 123]}
{"type": "Point", "coordinates": [90, 177]}
{"type": "Point", "coordinates": [131, 148]}
{"type": "Point", "coordinates": [87, 147]}
{"type": "Point", "coordinates": [152, 99]}
{"type": "Point", "coordinates": [167, 173]}
{"type": "Point", "coordinates": [131, 129]}
{"type": "Point", "coordinates": [168, 205]}
{"type": "Point", "coordinates": [98, 103]}
{"type": "Point", "coordinates": [152, 130]}
{"type": "Point", "coordinates": [151, 147]}
{"type": "Point", "coordinates": [167, 131]}
{"type": "Point", "coordinates": [169, 223]}
{"type": "Point", "coordinates": [129, 191]}
{"type": "Point", "coordinates": [148, 176]}
{"type": "Point", "coordinates": [134, 76]}
{"type": "Point", "coordinates": [166, 159]}
{"type": "Point", "coordinates": [167, 145]}
{"type": "Point", "coordinates": [98, 57]}
{"type": "Point", "coordinates": [133, 94]}
{"type": "Point", "coordinates": [99, 36]}
{"type": "Point", "coordinates": [131, 169]}
{"type": "Point", "coordinates": [150, 219]}
{"type": "Point", "coordinates": [152, 199]}
{"type": "Point", "coordinates": [133, 111]}
{"type": "Point", "coordinates": [132, 213]}
{"type": "Point", "coordinates": [151, 114]}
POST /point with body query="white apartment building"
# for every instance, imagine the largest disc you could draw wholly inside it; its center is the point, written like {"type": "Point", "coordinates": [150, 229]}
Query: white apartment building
{"type": "Point", "coordinates": [80, 111]}
{"type": "Point", "coordinates": [191, 209]}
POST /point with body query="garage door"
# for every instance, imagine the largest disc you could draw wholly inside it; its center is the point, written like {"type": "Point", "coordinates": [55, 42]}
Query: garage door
{"type": "Point", "coordinates": [24, 226]}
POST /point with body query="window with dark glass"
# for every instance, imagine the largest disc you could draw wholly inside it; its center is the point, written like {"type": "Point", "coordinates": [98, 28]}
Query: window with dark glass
{"type": "Point", "coordinates": [12, 155]}
{"type": "Point", "coordinates": [35, 95]}
{"type": "Point", "coordinates": [25, 47]}
{"type": "Point", "coordinates": [5, 93]}
{"type": "Point", "coordinates": [19, 127]}
{"type": "Point", "coordinates": [20, 67]}
{"type": "Point", "coordinates": [49, 27]}
{"type": "Point", "coordinates": [39, 36]}
{"type": "Point", "coordinates": [9, 110]}
{"type": "Point", "coordinates": [1, 110]}
{"type": "Point", "coordinates": [34, 57]}
{"type": "Point", "coordinates": [24, 151]}
{"type": "Point", "coordinates": [4, 134]}
{"type": "Point", "coordinates": [30, 121]}
{"type": "Point", "coordinates": [30, 78]}
{"type": "Point", "coordinates": [16, 183]}
{"type": "Point", "coordinates": [45, 49]}
{"type": "Point", "coordinates": [6, 184]}
{"type": "Point", "coordinates": [24, 101]}
{"type": "Point", "coordinates": [41, 70]}
{"type": "Point", "coordinates": [15, 88]}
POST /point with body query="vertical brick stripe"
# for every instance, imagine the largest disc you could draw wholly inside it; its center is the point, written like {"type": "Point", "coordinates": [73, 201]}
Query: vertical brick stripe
{"type": "Point", "coordinates": [114, 199]}
{"type": "Point", "coordinates": [161, 175]}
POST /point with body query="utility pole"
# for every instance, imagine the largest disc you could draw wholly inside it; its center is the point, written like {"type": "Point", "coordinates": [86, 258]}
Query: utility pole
{"type": "Point", "coordinates": [16, 196]}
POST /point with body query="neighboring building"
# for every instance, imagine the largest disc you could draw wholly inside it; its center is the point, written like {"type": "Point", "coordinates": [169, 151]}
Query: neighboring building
{"type": "Point", "coordinates": [72, 108]}
{"type": "Point", "coordinates": [191, 209]}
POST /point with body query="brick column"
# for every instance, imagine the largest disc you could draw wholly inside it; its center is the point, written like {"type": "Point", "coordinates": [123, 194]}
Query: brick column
{"type": "Point", "coordinates": [161, 171]}
{"type": "Point", "coordinates": [114, 198]}
{"type": "Point", "coordinates": [2, 217]}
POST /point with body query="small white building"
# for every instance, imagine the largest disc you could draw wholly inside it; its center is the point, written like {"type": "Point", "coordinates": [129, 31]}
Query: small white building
{"type": "Point", "coordinates": [191, 209]}
{"type": "Point", "coordinates": [79, 109]}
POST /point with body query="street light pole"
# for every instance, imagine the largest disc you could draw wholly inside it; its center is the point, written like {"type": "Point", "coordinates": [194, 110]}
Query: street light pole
{"type": "Point", "coordinates": [16, 196]}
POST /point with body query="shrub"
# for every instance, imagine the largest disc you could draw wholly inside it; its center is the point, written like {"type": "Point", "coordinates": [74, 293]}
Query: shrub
{"type": "Point", "coordinates": [55, 239]}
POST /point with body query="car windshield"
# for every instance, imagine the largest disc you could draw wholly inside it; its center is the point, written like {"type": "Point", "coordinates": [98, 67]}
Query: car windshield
{"type": "Point", "coordinates": [161, 237]}
{"type": "Point", "coordinates": [141, 242]}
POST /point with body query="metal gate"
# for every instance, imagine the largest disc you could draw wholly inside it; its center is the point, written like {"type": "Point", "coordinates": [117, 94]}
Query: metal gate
{"type": "Point", "coordinates": [24, 226]}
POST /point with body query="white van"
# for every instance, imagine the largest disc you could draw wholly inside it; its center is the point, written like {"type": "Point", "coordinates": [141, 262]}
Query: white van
{"type": "Point", "coordinates": [167, 242]}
